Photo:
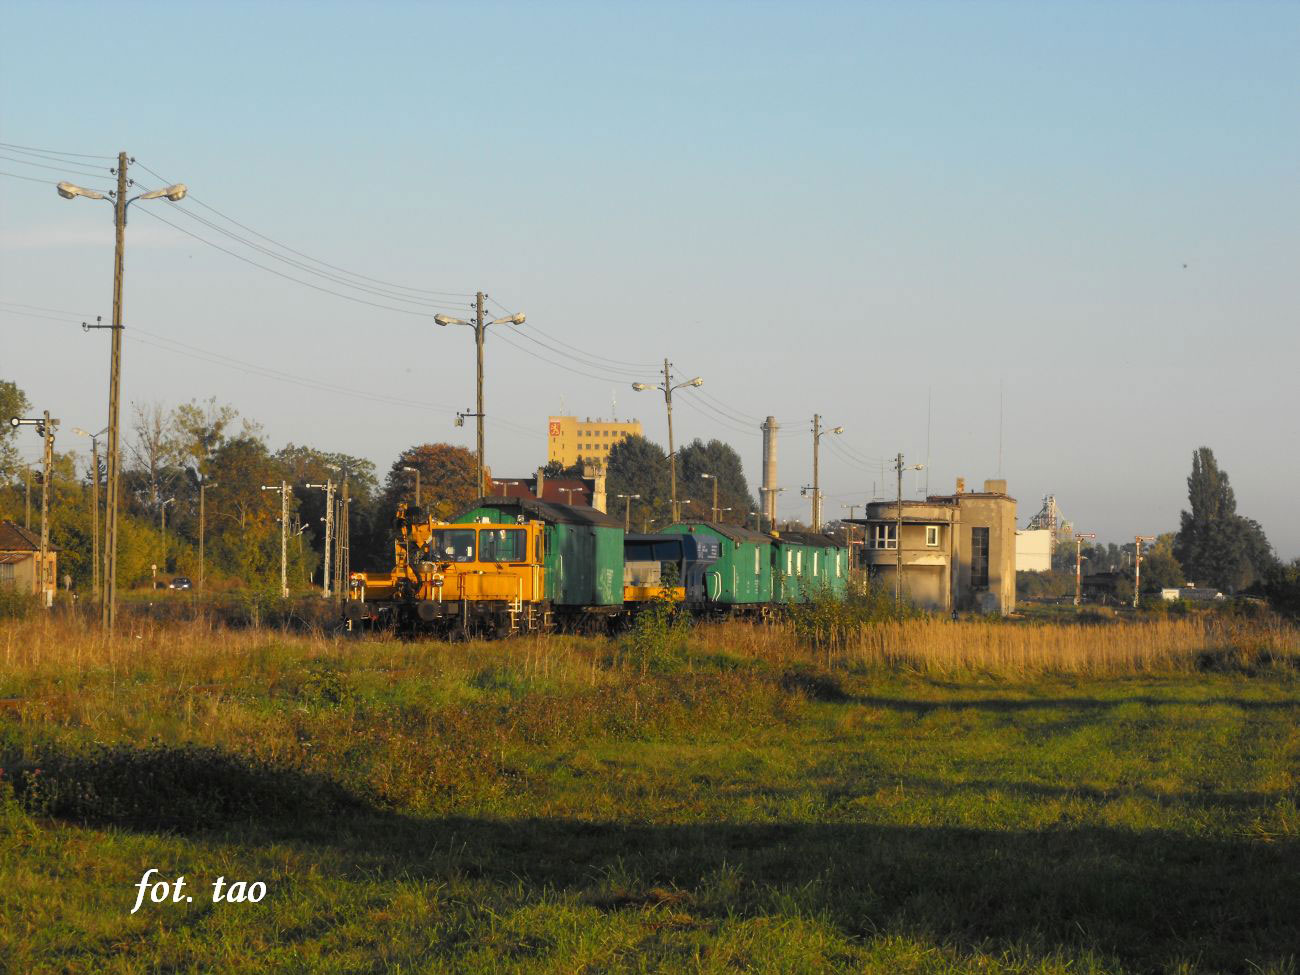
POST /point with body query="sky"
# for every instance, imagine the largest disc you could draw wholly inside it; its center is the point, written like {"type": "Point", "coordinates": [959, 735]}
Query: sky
{"type": "Point", "coordinates": [1055, 243]}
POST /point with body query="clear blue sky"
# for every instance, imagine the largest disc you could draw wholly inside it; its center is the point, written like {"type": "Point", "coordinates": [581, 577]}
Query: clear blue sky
{"type": "Point", "coordinates": [837, 208]}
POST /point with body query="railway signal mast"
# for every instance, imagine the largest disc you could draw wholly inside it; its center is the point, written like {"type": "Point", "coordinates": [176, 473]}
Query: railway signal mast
{"type": "Point", "coordinates": [45, 428]}
{"type": "Point", "coordinates": [283, 488]}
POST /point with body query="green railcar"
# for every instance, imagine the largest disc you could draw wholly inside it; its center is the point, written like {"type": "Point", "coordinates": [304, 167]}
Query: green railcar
{"type": "Point", "coordinates": [804, 564]}
{"type": "Point", "coordinates": [583, 556]}
{"type": "Point", "coordinates": [741, 577]}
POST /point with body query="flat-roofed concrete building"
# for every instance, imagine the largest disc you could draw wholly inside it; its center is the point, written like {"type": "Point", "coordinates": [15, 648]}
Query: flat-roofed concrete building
{"type": "Point", "coordinates": [572, 441]}
{"type": "Point", "coordinates": [1034, 550]}
{"type": "Point", "coordinates": [958, 550]}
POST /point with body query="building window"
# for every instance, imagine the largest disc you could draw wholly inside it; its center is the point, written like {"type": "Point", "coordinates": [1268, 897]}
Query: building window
{"type": "Point", "coordinates": [798, 563]}
{"type": "Point", "coordinates": [756, 570]}
{"type": "Point", "coordinates": [6, 574]}
{"type": "Point", "coordinates": [884, 536]}
{"type": "Point", "coordinates": [979, 558]}
{"type": "Point", "coordinates": [932, 536]}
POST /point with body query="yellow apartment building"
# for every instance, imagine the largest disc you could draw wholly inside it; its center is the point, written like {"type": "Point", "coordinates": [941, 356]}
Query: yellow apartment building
{"type": "Point", "coordinates": [572, 441]}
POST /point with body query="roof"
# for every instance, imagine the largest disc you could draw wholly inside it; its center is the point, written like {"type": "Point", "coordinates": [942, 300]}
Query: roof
{"type": "Point", "coordinates": [551, 512]}
{"type": "Point", "coordinates": [735, 533]}
{"type": "Point", "coordinates": [9, 558]}
{"type": "Point", "coordinates": [808, 538]}
{"type": "Point", "coordinates": [16, 538]}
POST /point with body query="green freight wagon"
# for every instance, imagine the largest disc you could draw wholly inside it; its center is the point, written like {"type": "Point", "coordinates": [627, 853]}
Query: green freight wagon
{"type": "Point", "coordinates": [741, 578]}
{"type": "Point", "coordinates": [583, 558]}
{"type": "Point", "coordinates": [804, 563]}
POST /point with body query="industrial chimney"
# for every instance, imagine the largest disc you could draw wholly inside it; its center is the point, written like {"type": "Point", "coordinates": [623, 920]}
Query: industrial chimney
{"type": "Point", "coordinates": [769, 470]}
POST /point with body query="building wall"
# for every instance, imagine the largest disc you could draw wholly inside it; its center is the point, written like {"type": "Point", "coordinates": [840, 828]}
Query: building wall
{"type": "Point", "coordinates": [569, 438]}
{"type": "Point", "coordinates": [23, 577]}
{"type": "Point", "coordinates": [1034, 550]}
{"type": "Point", "coordinates": [939, 577]}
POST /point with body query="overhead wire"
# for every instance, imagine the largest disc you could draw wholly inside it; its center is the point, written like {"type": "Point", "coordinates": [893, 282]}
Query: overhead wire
{"type": "Point", "coordinates": [638, 366]}
{"type": "Point", "coordinates": [56, 152]}
{"type": "Point", "coordinates": [314, 260]}
{"type": "Point", "coordinates": [58, 169]}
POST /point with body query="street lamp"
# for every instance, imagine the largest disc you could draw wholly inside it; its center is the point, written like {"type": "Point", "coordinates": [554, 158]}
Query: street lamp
{"type": "Point", "coordinates": [70, 191]}
{"type": "Point", "coordinates": [817, 431]}
{"type": "Point", "coordinates": [508, 484]}
{"type": "Point", "coordinates": [570, 492]}
{"type": "Point", "coordinates": [416, 472]}
{"type": "Point", "coordinates": [480, 327]}
{"type": "Point", "coordinates": [668, 387]}
{"type": "Point", "coordinates": [898, 531]}
{"type": "Point", "coordinates": [627, 509]}
{"type": "Point", "coordinates": [714, 479]}
{"type": "Point", "coordinates": [94, 499]}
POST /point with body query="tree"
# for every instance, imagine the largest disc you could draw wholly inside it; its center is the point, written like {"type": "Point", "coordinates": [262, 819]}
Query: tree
{"type": "Point", "coordinates": [1160, 569]}
{"type": "Point", "coordinates": [1214, 544]}
{"type": "Point", "coordinates": [722, 461]}
{"type": "Point", "coordinates": [639, 466]}
{"type": "Point", "coordinates": [448, 484]}
{"type": "Point", "coordinates": [13, 402]}
{"type": "Point", "coordinates": [156, 454]}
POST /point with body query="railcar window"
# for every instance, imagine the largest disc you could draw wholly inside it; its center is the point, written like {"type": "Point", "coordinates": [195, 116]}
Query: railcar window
{"type": "Point", "coordinates": [503, 545]}
{"type": "Point", "coordinates": [452, 545]}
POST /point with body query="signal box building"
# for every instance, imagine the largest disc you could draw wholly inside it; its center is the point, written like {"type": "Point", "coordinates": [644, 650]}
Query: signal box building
{"type": "Point", "coordinates": [958, 550]}
{"type": "Point", "coordinates": [572, 441]}
{"type": "Point", "coordinates": [20, 556]}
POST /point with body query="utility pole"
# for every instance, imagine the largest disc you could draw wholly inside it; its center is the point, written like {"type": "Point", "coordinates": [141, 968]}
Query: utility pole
{"type": "Point", "coordinates": [1137, 567]}
{"type": "Point", "coordinates": [714, 479]}
{"type": "Point", "coordinates": [284, 535]}
{"type": "Point", "coordinates": [344, 529]}
{"type": "Point", "coordinates": [203, 523]}
{"type": "Point", "coordinates": [1078, 564]}
{"type": "Point", "coordinates": [27, 505]}
{"type": "Point", "coordinates": [480, 328]}
{"type": "Point", "coordinates": [627, 509]}
{"type": "Point", "coordinates": [817, 433]}
{"type": "Point", "coordinates": [898, 536]}
{"type": "Point", "coordinates": [328, 487]}
{"type": "Point", "coordinates": [94, 516]}
{"type": "Point", "coordinates": [478, 406]}
{"type": "Point", "coordinates": [668, 387]}
{"type": "Point", "coordinates": [162, 519]}
{"type": "Point", "coordinates": [45, 428]}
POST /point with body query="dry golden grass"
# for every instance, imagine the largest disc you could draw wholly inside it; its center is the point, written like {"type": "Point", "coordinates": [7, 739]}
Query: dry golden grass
{"type": "Point", "coordinates": [943, 647]}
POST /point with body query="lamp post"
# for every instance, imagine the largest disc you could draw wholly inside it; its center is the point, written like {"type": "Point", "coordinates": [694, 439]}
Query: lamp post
{"type": "Point", "coordinates": [568, 492]}
{"type": "Point", "coordinates": [70, 191]}
{"type": "Point", "coordinates": [94, 500]}
{"type": "Point", "coordinates": [162, 519]}
{"type": "Point", "coordinates": [203, 526]}
{"type": "Point", "coordinates": [507, 484]}
{"type": "Point", "coordinates": [1078, 564]}
{"type": "Point", "coordinates": [480, 327]}
{"type": "Point", "coordinates": [1137, 566]}
{"type": "Point", "coordinates": [714, 479]}
{"type": "Point", "coordinates": [668, 388]}
{"type": "Point", "coordinates": [416, 472]}
{"type": "Point", "coordinates": [817, 431]}
{"type": "Point", "coordinates": [45, 428]}
{"type": "Point", "coordinates": [898, 531]}
{"type": "Point", "coordinates": [627, 509]}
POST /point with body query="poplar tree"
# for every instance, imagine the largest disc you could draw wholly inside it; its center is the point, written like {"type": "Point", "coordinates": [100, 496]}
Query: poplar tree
{"type": "Point", "coordinates": [1214, 544]}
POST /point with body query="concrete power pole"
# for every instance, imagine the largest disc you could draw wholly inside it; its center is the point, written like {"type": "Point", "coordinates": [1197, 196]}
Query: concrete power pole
{"type": "Point", "coordinates": [27, 505]}
{"type": "Point", "coordinates": [328, 487]}
{"type": "Point", "coordinates": [94, 516]}
{"type": "Point", "coordinates": [47, 432]}
{"type": "Point", "coordinates": [1137, 567]}
{"type": "Point", "coordinates": [898, 536]}
{"type": "Point", "coordinates": [283, 488]}
{"type": "Point", "coordinates": [203, 527]}
{"type": "Point", "coordinates": [479, 328]}
{"type": "Point", "coordinates": [817, 433]}
{"type": "Point", "coordinates": [1078, 564]}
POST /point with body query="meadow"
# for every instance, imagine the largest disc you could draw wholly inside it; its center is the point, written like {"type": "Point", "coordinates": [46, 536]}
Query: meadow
{"type": "Point", "coordinates": [910, 796]}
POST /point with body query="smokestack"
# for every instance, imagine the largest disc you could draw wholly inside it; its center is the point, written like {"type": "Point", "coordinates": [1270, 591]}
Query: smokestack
{"type": "Point", "coordinates": [769, 429]}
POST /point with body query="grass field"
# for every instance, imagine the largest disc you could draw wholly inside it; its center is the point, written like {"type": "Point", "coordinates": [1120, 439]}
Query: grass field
{"type": "Point", "coordinates": [1095, 799]}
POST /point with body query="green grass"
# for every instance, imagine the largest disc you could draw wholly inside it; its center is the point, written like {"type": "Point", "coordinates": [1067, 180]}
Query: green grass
{"type": "Point", "coordinates": [550, 807]}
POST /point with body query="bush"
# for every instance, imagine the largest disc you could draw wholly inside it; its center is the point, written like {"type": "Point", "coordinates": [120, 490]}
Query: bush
{"type": "Point", "coordinates": [15, 605]}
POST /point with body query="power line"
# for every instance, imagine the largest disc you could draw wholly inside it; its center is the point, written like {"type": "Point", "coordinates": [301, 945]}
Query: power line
{"type": "Point", "coordinates": [639, 367]}
{"type": "Point", "coordinates": [314, 260]}
{"type": "Point", "coordinates": [57, 169]}
{"type": "Point", "coordinates": [592, 363]}
{"type": "Point", "coordinates": [287, 277]}
{"type": "Point", "coordinates": [55, 152]}
{"type": "Point", "coordinates": [440, 306]}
